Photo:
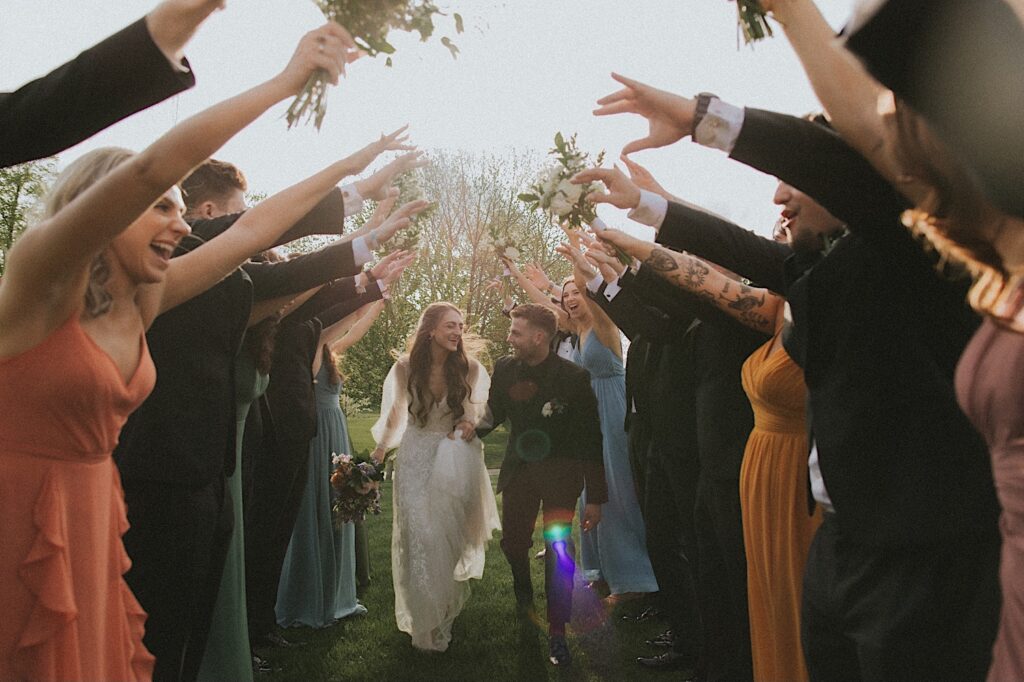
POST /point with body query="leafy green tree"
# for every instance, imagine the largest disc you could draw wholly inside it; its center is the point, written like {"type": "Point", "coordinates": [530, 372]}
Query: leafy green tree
{"type": "Point", "coordinates": [474, 195]}
{"type": "Point", "coordinates": [21, 190]}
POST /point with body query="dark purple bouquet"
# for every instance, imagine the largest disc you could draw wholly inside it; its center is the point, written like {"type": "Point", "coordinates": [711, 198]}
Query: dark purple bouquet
{"type": "Point", "coordinates": [355, 489]}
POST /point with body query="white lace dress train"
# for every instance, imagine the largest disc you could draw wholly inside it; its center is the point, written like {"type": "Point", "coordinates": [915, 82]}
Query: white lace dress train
{"type": "Point", "coordinates": [444, 509]}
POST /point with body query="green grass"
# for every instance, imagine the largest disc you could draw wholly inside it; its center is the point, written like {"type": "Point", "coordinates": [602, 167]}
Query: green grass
{"type": "Point", "coordinates": [359, 431]}
{"type": "Point", "coordinates": [489, 642]}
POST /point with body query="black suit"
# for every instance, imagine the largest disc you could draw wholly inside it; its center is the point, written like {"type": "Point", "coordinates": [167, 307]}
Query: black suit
{"type": "Point", "coordinates": [119, 76]}
{"type": "Point", "coordinates": [177, 448]}
{"type": "Point", "coordinates": [663, 441]}
{"type": "Point", "coordinates": [548, 461]}
{"type": "Point", "coordinates": [878, 332]}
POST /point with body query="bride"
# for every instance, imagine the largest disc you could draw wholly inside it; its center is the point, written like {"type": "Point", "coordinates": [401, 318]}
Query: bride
{"type": "Point", "coordinates": [444, 508]}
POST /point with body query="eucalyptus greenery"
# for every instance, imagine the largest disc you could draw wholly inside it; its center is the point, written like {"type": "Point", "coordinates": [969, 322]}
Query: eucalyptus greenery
{"type": "Point", "coordinates": [369, 22]}
{"type": "Point", "coordinates": [753, 21]}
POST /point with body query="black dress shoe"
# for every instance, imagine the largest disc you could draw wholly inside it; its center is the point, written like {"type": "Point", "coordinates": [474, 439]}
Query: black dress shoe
{"type": "Point", "coordinates": [559, 652]}
{"type": "Point", "coordinates": [670, 660]}
{"type": "Point", "coordinates": [273, 639]}
{"type": "Point", "coordinates": [665, 640]}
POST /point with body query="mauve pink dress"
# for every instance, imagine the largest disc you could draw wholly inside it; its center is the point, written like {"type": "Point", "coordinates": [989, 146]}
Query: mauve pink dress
{"type": "Point", "coordinates": [990, 387]}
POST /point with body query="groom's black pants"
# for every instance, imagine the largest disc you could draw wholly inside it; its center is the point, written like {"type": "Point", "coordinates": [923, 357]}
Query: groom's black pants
{"type": "Point", "coordinates": [554, 486]}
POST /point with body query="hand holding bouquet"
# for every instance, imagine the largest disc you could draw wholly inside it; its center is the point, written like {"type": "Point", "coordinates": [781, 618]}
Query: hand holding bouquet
{"type": "Point", "coordinates": [355, 489]}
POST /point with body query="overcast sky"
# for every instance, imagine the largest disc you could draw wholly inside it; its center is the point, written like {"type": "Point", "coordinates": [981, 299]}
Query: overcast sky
{"type": "Point", "coordinates": [527, 69]}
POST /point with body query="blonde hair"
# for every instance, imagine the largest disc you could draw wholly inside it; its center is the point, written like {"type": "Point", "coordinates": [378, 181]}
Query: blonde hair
{"type": "Point", "coordinates": [86, 171]}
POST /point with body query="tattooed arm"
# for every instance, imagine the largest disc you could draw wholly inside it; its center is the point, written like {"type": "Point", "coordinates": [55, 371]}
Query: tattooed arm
{"type": "Point", "coordinates": [754, 307]}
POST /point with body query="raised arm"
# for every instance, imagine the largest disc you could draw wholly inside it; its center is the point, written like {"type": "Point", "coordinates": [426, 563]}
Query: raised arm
{"type": "Point", "coordinates": [260, 227]}
{"type": "Point", "coordinates": [605, 330]}
{"type": "Point", "coordinates": [756, 308]}
{"type": "Point", "coordinates": [54, 258]}
{"type": "Point", "coordinates": [173, 23]}
{"type": "Point", "coordinates": [848, 93]}
{"type": "Point", "coordinates": [536, 295]}
{"type": "Point", "coordinates": [131, 70]}
{"type": "Point", "coordinates": [340, 340]}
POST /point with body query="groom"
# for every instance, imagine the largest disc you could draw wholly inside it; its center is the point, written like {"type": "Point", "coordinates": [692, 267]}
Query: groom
{"type": "Point", "coordinates": [553, 451]}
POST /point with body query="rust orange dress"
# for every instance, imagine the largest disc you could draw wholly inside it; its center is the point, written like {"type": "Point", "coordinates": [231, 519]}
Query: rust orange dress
{"type": "Point", "coordinates": [67, 613]}
{"type": "Point", "coordinates": [777, 530]}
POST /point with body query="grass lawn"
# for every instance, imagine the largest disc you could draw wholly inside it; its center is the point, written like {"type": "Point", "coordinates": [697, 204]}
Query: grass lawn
{"type": "Point", "coordinates": [489, 642]}
{"type": "Point", "coordinates": [359, 430]}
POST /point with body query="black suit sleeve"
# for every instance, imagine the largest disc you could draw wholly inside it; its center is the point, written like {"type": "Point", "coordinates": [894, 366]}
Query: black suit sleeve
{"type": "Point", "coordinates": [634, 316]}
{"type": "Point", "coordinates": [688, 228]}
{"type": "Point", "coordinates": [327, 217]}
{"type": "Point", "coordinates": [584, 415]}
{"type": "Point", "coordinates": [816, 161]}
{"type": "Point", "coordinates": [335, 301]}
{"type": "Point", "coordinates": [270, 280]}
{"type": "Point", "coordinates": [496, 398]}
{"type": "Point", "coordinates": [123, 74]}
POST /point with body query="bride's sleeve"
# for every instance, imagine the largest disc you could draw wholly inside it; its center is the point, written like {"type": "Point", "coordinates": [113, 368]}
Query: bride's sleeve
{"type": "Point", "coordinates": [394, 408]}
{"type": "Point", "coordinates": [476, 401]}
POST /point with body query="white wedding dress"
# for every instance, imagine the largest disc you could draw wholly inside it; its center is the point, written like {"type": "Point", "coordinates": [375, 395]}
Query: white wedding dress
{"type": "Point", "coordinates": [444, 508]}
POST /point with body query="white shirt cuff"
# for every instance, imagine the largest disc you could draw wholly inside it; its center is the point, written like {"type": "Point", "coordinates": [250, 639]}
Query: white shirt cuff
{"type": "Point", "coordinates": [594, 284]}
{"type": "Point", "coordinates": [720, 127]}
{"type": "Point", "coordinates": [361, 253]}
{"type": "Point", "coordinates": [612, 290]}
{"type": "Point", "coordinates": [651, 210]}
{"type": "Point", "coordinates": [353, 199]}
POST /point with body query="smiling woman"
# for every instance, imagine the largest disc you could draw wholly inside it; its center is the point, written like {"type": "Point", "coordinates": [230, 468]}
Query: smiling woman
{"type": "Point", "coordinates": [83, 286]}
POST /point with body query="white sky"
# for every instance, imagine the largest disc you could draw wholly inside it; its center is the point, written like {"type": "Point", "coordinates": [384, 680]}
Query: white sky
{"type": "Point", "coordinates": [527, 69]}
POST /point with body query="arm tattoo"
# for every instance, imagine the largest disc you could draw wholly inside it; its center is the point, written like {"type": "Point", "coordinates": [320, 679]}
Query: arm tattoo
{"type": "Point", "coordinates": [696, 274]}
{"type": "Point", "coordinates": [745, 301]}
{"type": "Point", "coordinates": [661, 260]}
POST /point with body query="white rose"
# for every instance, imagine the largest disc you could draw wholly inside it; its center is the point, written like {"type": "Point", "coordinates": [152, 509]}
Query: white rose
{"type": "Point", "coordinates": [512, 253]}
{"type": "Point", "coordinates": [547, 410]}
{"type": "Point", "coordinates": [572, 192]}
{"type": "Point", "coordinates": [561, 206]}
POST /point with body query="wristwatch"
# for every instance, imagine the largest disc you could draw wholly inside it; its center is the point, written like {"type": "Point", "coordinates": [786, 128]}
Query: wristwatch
{"type": "Point", "coordinates": [703, 102]}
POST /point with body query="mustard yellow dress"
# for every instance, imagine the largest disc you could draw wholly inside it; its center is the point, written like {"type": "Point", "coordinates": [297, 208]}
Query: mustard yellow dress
{"type": "Point", "coordinates": [777, 528]}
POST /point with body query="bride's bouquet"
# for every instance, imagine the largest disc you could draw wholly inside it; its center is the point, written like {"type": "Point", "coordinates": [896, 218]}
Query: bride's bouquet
{"type": "Point", "coordinates": [355, 489]}
{"type": "Point", "coordinates": [369, 22]}
{"type": "Point", "coordinates": [555, 194]}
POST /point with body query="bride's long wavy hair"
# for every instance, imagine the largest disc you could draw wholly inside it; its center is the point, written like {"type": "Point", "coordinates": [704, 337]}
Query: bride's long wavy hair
{"type": "Point", "coordinates": [456, 366]}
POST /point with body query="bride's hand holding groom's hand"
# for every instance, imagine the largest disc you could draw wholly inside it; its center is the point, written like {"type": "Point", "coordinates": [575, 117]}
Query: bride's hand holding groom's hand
{"type": "Point", "coordinates": [378, 455]}
{"type": "Point", "coordinates": [463, 430]}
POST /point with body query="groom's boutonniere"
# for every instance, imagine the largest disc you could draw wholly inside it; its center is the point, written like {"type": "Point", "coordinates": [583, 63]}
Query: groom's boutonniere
{"type": "Point", "coordinates": [552, 407]}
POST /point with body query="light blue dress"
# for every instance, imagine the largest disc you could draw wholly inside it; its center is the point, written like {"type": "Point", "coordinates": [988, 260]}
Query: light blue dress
{"type": "Point", "coordinates": [318, 581]}
{"type": "Point", "coordinates": [617, 550]}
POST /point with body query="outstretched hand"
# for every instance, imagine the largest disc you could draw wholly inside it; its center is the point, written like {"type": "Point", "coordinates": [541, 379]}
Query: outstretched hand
{"type": "Point", "coordinates": [620, 240]}
{"type": "Point", "coordinates": [643, 179]}
{"type": "Point", "coordinates": [610, 267]}
{"type": "Point", "coordinates": [396, 268]}
{"type": "Point", "coordinates": [399, 220]}
{"type": "Point", "coordinates": [397, 141]}
{"type": "Point", "coordinates": [622, 192]}
{"type": "Point", "coordinates": [575, 256]}
{"type": "Point", "coordinates": [669, 116]}
{"type": "Point", "coordinates": [377, 186]}
{"type": "Point", "coordinates": [328, 49]}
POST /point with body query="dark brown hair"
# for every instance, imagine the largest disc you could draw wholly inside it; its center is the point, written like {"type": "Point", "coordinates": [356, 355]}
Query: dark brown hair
{"type": "Point", "coordinates": [537, 316]}
{"type": "Point", "coordinates": [259, 343]}
{"type": "Point", "coordinates": [953, 216]}
{"type": "Point", "coordinates": [456, 366]}
{"type": "Point", "coordinates": [330, 361]}
{"type": "Point", "coordinates": [212, 181]}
